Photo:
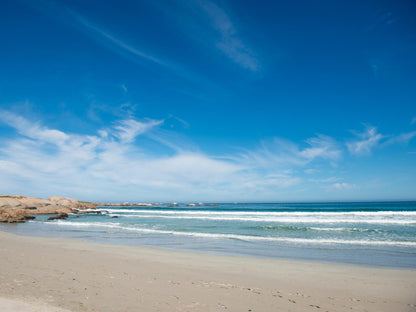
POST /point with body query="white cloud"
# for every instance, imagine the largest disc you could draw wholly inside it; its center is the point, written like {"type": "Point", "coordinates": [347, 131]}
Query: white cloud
{"type": "Point", "coordinates": [321, 146]}
{"type": "Point", "coordinates": [343, 186]}
{"type": "Point", "coordinates": [368, 140]}
{"type": "Point", "coordinates": [116, 42]}
{"type": "Point", "coordinates": [275, 153]}
{"type": "Point", "coordinates": [311, 171]}
{"type": "Point", "coordinates": [68, 15]}
{"type": "Point", "coordinates": [107, 165]}
{"type": "Point", "coordinates": [371, 139]}
{"type": "Point", "coordinates": [273, 181]}
{"type": "Point", "coordinates": [208, 24]}
{"type": "Point", "coordinates": [281, 153]}
{"type": "Point", "coordinates": [325, 180]}
{"type": "Point", "coordinates": [129, 129]}
{"type": "Point", "coordinates": [223, 35]}
{"type": "Point", "coordinates": [34, 131]}
{"type": "Point", "coordinates": [229, 43]}
{"type": "Point", "coordinates": [108, 38]}
{"type": "Point", "coordinates": [402, 138]}
{"type": "Point", "coordinates": [112, 165]}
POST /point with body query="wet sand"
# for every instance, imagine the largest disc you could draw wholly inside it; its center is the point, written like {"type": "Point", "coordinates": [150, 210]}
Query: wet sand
{"type": "Point", "coordinates": [54, 275]}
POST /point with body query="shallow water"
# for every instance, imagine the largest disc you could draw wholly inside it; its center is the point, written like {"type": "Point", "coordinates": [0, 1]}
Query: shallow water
{"type": "Point", "coordinates": [371, 234]}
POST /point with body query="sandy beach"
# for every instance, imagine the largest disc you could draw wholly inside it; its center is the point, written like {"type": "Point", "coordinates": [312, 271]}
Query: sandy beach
{"type": "Point", "coordinates": [48, 274]}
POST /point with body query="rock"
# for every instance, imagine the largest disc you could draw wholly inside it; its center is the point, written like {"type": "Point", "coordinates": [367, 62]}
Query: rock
{"type": "Point", "coordinates": [64, 201]}
{"type": "Point", "coordinates": [61, 215]}
{"type": "Point", "coordinates": [10, 202]}
{"type": "Point", "coordinates": [12, 216]}
{"type": "Point", "coordinates": [34, 202]}
{"type": "Point", "coordinates": [77, 211]}
{"type": "Point", "coordinates": [86, 205]}
{"type": "Point", "coordinates": [17, 208]}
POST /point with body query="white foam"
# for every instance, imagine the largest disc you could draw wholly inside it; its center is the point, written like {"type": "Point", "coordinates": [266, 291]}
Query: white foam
{"type": "Point", "coordinates": [266, 213]}
{"type": "Point", "coordinates": [284, 219]}
{"type": "Point", "coordinates": [338, 229]}
{"type": "Point", "coordinates": [239, 237]}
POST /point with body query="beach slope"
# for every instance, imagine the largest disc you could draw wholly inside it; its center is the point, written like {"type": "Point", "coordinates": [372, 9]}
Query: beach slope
{"type": "Point", "coordinates": [81, 276]}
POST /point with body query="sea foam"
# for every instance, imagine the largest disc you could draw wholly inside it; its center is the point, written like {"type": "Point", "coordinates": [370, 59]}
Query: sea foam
{"type": "Point", "coordinates": [238, 237]}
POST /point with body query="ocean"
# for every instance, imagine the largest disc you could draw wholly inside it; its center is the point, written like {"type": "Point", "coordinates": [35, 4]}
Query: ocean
{"type": "Point", "coordinates": [376, 234]}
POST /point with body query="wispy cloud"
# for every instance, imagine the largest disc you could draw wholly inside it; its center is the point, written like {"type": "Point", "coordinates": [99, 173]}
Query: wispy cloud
{"type": "Point", "coordinates": [33, 130]}
{"type": "Point", "coordinates": [104, 163]}
{"type": "Point", "coordinates": [129, 129]}
{"type": "Point", "coordinates": [326, 180]}
{"type": "Point", "coordinates": [111, 163]}
{"type": "Point", "coordinates": [210, 25]}
{"type": "Point", "coordinates": [381, 19]}
{"type": "Point", "coordinates": [343, 186]}
{"type": "Point", "coordinates": [124, 88]}
{"type": "Point", "coordinates": [370, 139]}
{"type": "Point", "coordinates": [119, 162]}
{"type": "Point", "coordinates": [321, 146]}
{"type": "Point", "coordinates": [104, 34]}
{"type": "Point", "coordinates": [99, 33]}
{"type": "Point", "coordinates": [229, 42]}
{"type": "Point", "coordinates": [281, 153]}
{"type": "Point", "coordinates": [311, 171]}
{"type": "Point", "coordinates": [402, 138]}
{"type": "Point", "coordinates": [367, 140]}
{"type": "Point", "coordinates": [272, 181]}
{"type": "Point", "coordinates": [132, 52]}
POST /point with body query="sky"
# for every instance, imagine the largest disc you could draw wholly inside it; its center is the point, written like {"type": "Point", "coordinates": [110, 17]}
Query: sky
{"type": "Point", "coordinates": [208, 100]}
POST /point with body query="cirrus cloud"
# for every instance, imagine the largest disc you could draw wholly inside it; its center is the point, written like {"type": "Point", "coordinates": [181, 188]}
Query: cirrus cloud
{"type": "Point", "coordinates": [368, 139]}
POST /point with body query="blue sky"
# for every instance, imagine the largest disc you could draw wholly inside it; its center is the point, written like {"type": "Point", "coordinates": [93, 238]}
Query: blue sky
{"type": "Point", "coordinates": [205, 100]}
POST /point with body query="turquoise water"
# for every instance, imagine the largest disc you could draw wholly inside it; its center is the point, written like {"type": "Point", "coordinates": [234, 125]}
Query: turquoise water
{"type": "Point", "coordinates": [381, 234]}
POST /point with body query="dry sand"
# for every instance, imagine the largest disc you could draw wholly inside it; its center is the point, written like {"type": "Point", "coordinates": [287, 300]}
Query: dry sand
{"type": "Point", "coordinates": [9, 305]}
{"type": "Point", "coordinates": [43, 274]}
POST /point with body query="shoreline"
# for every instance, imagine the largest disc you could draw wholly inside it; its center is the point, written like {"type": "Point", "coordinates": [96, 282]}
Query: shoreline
{"type": "Point", "coordinates": [219, 253]}
{"type": "Point", "coordinates": [84, 276]}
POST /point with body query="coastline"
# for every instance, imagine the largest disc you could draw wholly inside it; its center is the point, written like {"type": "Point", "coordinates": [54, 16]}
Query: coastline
{"type": "Point", "coordinates": [83, 276]}
{"type": "Point", "coordinates": [366, 234]}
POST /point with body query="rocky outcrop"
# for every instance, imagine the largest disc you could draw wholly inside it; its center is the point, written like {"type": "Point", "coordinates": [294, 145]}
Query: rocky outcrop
{"type": "Point", "coordinates": [12, 216]}
{"type": "Point", "coordinates": [61, 215]}
{"type": "Point", "coordinates": [19, 208]}
{"type": "Point", "coordinates": [86, 205]}
{"type": "Point", "coordinates": [11, 202]}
